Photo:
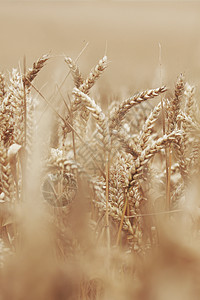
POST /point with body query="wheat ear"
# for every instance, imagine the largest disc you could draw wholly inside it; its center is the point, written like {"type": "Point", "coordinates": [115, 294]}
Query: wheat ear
{"type": "Point", "coordinates": [94, 75]}
{"type": "Point", "coordinates": [127, 143]}
{"type": "Point", "coordinates": [189, 99]}
{"type": "Point", "coordinates": [6, 179]}
{"type": "Point", "coordinates": [2, 88]}
{"type": "Point", "coordinates": [173, 105]}
{"type": "Point", "coordinates": [37, 66]}
{"type": "Point", "coordinates": [148, 152]}
{"type": "Point", "coordinates": [146, 132]}
{"type": "Point", "coordinates": [88, 83]}
{"type": "Point", "coordinates": [97, 113]}
{"type": "Point", "coordinates": [76, 74]}
{"type": "Point", "coordinates": [115, 213]}
{"type": "Point", "coordinates": [16, 95]}
{"type": "Point", "coordinates": [189, 123]}
{"type": "Point", "coordinates": [126, 105]}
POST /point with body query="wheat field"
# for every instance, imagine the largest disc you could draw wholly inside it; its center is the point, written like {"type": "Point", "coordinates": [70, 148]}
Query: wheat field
{"type": "Point", "coordinates": [100, 168]}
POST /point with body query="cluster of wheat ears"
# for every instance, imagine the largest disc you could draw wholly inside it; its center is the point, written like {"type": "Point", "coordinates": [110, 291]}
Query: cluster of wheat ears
{"type": "Point", "coordinates": [109, 180]}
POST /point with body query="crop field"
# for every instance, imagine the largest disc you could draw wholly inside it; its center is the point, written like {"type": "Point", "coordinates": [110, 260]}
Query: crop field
{"type": "Point", "coordinates": [99, 150]}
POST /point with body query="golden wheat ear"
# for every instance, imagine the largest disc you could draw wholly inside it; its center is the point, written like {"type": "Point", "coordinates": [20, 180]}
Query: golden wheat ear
{"type": "Point", "coordinates": [37, 66]}
{"type": "Point", "coordinates": [174, 104]}
{"type": "Point", "coordinates": [97, 113]}
{"type": "Point", "coordinates": [15, 96]}
{"type": "Point", "coordinates": [85, 85]}
{"type": "Point", "coordinates": [76, 74]}
{"type": "Point", "coordinates": [2, 87]}
{"type": "Point", "coordinates": [189, 99]}
{"type": "Point", "coordinates": [149, 152]}
{"type": "Point", "coordinates": [94, 75]}
{"type": "Point", "coordinates": [6, 179]}
{"type": "Point", "coordinates": [146, 132]}
{"type": "Point", "coordinates": [120, 113]}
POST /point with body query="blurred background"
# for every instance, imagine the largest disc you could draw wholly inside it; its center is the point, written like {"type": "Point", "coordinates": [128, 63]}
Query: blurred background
{"type": "Point", "coordinates": [129, 32]}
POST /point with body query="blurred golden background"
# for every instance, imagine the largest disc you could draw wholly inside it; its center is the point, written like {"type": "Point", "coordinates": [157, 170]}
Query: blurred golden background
{"type": "Point", "coordinates": [131, 31]}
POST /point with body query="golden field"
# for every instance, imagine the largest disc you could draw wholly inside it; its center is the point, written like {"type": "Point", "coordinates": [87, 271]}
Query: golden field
{"type": "Point", "coordinates": [99, 150]}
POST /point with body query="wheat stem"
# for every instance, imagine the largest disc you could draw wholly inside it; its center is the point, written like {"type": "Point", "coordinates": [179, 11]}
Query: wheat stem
{"type": "Point", "coordinates": [122, 217]}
